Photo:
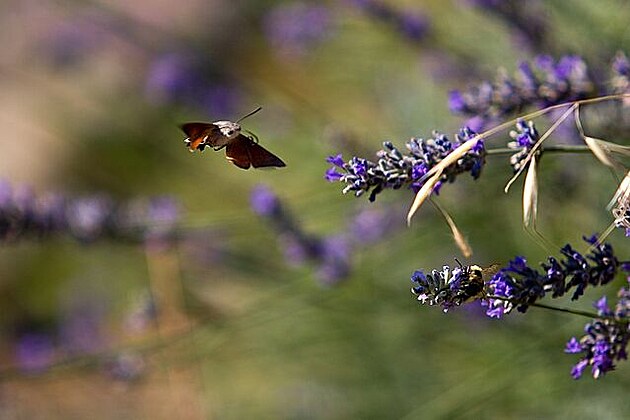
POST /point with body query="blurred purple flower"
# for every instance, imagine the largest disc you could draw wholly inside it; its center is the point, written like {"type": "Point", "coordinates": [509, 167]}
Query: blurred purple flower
{"type": "Point", "coordinates": [142, 314]}
{"type": "Point", "coordinates": [620, 80]}
{"type": "Point", "coordinates": [81, 327]}
{"type": "Point", "coordinates": [126, 367]}
{"type": "Point", "coordinates": [263, 201]}
{"type": "Point", "coordinates": [171, 77]}
{"type": "Point", "coordinates": [88, 217]}
{"type": "Point", "coordinates": [178, 78]}
{"type": "Point", "coordinates": [526, 18]}
{"type": "Point", "coordinates": [50, 213]}
{"type": "Point", "coordinates": [34, 352]}
{"type": "Point", "coordinates": [293, 29]}
{"type": "Point", "coordinates": [6, 194]}
{"type": "Point", "coordinates": [220, 99]}
{"type": "Point", "coordinates": [163, 215]}
{"type": "Point", "coordinates": [24, 199]}
{"type": "Point", "coordinates": [621, 64]}
{"type": "Point", "coordinates": [296, 251]}
{"type": "Point", "coordinates": [331, 254]}
{"type": "Point", "coordinates": [73, 41]}
{"type": "Point", "coordinates": [23, 214]}
{"type": "Point", "coordinates": [203, 247]}
{"type": "Point", "coordinates": [547, 82]}
{"type": "Point", "coordinates": [412, 25]}
{"type": "Point", "coordinates": [371, 225]}
{"type": "Point", "coordinates": [163, 211]}
{"type": "Point", "coordinates": [334, 259]}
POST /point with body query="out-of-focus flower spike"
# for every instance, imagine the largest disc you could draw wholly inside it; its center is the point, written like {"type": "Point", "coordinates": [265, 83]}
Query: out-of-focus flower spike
{"type": "Point", "coordinates": [294, 29]}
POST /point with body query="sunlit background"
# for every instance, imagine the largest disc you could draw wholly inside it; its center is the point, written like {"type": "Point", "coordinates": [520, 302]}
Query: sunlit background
{"type": "Point", "coordinates": [149, 282]}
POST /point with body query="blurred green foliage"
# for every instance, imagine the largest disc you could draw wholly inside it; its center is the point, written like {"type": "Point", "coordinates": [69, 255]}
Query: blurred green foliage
{"type": "Point", "coordinates": [263, 339]}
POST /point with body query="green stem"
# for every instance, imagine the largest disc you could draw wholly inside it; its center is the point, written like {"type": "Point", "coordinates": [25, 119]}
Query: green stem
{"type": "Point", "coordinates": [587, 314]}
{"type": "Point", "coordinates": [590, 315]}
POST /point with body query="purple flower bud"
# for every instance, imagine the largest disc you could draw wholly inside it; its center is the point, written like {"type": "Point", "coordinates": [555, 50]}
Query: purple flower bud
{"type": "Point", "coordinates": [336, 160]}
{"type": "Point", "coordinates": [332, 175]}
{"type": "Point", "coordinates": [573, 346]}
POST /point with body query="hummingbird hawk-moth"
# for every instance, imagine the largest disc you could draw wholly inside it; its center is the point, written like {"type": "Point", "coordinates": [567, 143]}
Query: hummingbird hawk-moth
{"type": "Point", "coordinates": [241, 149]}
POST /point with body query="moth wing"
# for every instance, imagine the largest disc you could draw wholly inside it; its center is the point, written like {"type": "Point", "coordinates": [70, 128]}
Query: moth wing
{"type": "Point", "coordinates": [201, 134]}
{"type": "Point", "coordinates": [197, 129]}
{"type": "Point", "coordinates": [262, 158]}
{"type": "Point", "coordinates": [237, 151]}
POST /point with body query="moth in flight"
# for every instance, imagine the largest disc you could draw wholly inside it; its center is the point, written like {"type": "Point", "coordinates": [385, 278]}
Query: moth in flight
{"type": "Point", "coordinates": [241, 149]}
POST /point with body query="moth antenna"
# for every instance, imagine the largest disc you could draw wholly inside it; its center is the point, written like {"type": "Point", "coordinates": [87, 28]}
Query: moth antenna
{"type": "Point", "coordinates": [249, 115]}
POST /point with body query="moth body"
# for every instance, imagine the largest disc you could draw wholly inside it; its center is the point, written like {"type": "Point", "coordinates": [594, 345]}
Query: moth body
{"type": "Point", "coordinates": [241, 149]}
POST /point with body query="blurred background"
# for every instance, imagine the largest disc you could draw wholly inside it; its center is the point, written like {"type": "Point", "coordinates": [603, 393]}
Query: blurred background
{"type": "Point", "coordinates": [138, 280]}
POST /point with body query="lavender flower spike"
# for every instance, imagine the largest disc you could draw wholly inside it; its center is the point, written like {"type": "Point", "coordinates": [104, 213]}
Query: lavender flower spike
{"type": "Point", "coordinates": [395, 169]}
{"type": "Point", "coordinates": [544, 83]}
{"type": "Point", "coordinates": [605, 340]}
{"type": "Point", "coordinates": [448, 287]}
{"type": "Point", "coordinates": [519, 285]}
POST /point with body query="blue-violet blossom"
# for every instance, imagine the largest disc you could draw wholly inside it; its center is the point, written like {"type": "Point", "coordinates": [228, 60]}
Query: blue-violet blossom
{"type": "Point", "coordinates": [605, 339]}
{"type": "Point", "coordinates": [395, 169]}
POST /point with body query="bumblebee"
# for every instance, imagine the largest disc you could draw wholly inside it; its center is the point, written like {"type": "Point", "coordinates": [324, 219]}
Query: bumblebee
{"type": "Point", "coordinates": [473, 287]}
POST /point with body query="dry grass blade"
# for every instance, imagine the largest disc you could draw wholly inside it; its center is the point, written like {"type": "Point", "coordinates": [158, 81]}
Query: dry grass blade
{"type": "Point", "coordinates": [453, 157]}
{"type": "Point", "coordinates": [618, 206]}
{"type": "Point", "coordinates": [432, 177]}
{"type": "Point", "coordinates": [423, 194]}
{"type": "Point", "coordinates": [602, 236]}
{"type": "Point", "coordinates": [459, 238]}
{"type": "Point", "coordinates": [601, 152]}
{"type": "Point", "coordinates": [600, 148]}
{"type": "Point", "coordinates": [615, 148]}
{"type": "Point", "coordinates": [530, 195]}
{"type": "Point", "coordinates": [536, 146]}
{"type": "Point", "coordinates": [530, 206]}
{"type": "Point", "coordinates": [622, 195]}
